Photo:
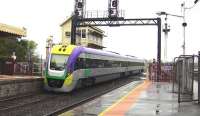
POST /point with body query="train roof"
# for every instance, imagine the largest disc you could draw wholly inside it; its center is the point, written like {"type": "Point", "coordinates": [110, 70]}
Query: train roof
{"type": "Point", "coordinates": [108, 53]}
{"type": "Point", "coordinates": [75, 51]}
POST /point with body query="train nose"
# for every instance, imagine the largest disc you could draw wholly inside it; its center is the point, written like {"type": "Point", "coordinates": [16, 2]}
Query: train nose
{"type": "Point", "coordinates": [69, 80]}
{"type": "Point", "coordinates": [55, 83]}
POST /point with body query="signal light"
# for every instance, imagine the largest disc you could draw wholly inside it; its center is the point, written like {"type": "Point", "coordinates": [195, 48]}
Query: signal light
{"type": "Point", "coordinates": [114, 3]}
{"type": "Point", "coordinates": [111, 11]}
{"type": "Point", "coordinates": [80, 5]}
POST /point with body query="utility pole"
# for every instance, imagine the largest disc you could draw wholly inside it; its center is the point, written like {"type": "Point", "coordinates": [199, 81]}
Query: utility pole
{"type": "Point", "coordinates": [184, 24]}
{"type": "Point", "coordinates": [49, 43]}
{"type": "Point", "coordinates": [166, 30]}
{"type": "Point", "coordinates": [79, 13]}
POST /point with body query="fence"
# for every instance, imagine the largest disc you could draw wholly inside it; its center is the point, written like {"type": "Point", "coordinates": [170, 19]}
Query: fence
{"type": "Point", "coordinates": [101, 14]}
{"type": "Point", "coordinates": [184, 73]}
{"type": "Point", "coordinates": [26, 68]}
{"type": "Point", "coordinates": [166, 72]}
{"type": "Point", "coordinates": [186, 77]}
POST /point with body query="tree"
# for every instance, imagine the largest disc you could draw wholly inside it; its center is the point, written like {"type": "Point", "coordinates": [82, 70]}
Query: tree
{"type": "Point", "coordinates": [23, 49]}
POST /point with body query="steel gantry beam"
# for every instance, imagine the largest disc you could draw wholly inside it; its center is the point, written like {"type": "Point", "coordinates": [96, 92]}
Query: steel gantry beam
{"type": "Point", "coordinates": [82, 22]}
{"type": "Point", "coordinates": [115, 22]}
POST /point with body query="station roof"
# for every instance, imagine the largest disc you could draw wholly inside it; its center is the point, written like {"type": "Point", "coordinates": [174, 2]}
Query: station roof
{"type": "Point", "coordinates": [12, 30]}
{"type": "Point", "coordinates": [68, 19]}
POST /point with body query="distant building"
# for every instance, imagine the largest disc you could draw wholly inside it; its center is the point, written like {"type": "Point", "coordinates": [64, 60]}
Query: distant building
{"type": "Point", "coordinates": [89, 36]}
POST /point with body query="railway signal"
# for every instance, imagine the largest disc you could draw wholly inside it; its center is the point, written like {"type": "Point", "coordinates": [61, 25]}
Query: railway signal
{"type": "Point", "coordinates": [113, 8]}
{"type": "Point", "coordinates": [79, 8]}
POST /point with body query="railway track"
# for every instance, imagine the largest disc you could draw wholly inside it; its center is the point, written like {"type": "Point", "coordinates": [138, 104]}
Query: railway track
{"type": "Point", "coordinates": [56, 103]}
{"type": "Point", "coordinates": [94, 96]}
{"type": "Point", "coordinates": [10, 104]}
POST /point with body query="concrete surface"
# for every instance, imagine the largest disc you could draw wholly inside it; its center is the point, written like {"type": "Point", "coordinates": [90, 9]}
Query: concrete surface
{"type": "Point", "coordinates": [100, 104]}
{"type": "Point", "coordinates": [156, 100]}
{"type": "Point", "coordinates": [18, 85]}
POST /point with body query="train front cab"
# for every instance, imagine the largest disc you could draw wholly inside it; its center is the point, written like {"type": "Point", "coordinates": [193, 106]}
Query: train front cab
{"type": "Point", "coordinates": [57, 76]}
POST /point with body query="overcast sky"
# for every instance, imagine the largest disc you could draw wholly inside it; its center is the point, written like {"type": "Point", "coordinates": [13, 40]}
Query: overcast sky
{"type": "Point", "coordinates": [43, 18]}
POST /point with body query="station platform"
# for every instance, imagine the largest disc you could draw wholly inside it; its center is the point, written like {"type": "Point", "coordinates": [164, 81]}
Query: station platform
{"type": "Point", "coordinates": [12, 85]}
{"type": "Point", "coordinates": [17, 77]}
{"type": "Point", "coordinates": [141, 98]}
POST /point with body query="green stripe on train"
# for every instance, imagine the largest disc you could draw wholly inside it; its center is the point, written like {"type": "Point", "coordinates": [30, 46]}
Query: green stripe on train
{"type": "Point", "coordinates": [87, 72]}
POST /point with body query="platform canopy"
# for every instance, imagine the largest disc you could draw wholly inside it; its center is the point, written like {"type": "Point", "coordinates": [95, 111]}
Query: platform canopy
{"type": "Point", "coordinates": [8, 30]}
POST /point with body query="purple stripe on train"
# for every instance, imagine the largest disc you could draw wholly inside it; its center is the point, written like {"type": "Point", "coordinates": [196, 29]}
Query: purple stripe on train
{"type": "Point", "coordinates": [73, 57]}
{"type": "Point", "coordinates": [78, 50]}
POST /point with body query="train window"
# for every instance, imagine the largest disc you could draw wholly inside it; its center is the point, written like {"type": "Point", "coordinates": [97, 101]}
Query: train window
{"type": "Point", "coordinates": [135, 64]}
{"type": "Point", "coordinates": [101, 63]}
{"type": "Point", "coordinates": [87, 63]}
{"type": "Point", "coordinates": [115, 64]}
{"type": "Point", "coordinates": [58, 62]}
{"type": "Point", "coordinates": [87, 60]}
{"type": "Point", "coordinates": [79, 63]}
{"type": "Point", "coordinates": [91, 63]}
{"type": "Point", "coordinates": [106, 64]}
{"type": "Point", "coordinates": [123, 64]}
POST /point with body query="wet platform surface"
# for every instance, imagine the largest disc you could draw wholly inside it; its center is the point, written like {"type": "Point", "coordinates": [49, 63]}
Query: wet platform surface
{"type": "Point", "coordinates": [100, 104]}
{"type": "Point", "coordinates": [17, 77]}
{"type": "Point", "coordinates": [158, 100]}
{"type": "Point", "coordinates": [141, 98]}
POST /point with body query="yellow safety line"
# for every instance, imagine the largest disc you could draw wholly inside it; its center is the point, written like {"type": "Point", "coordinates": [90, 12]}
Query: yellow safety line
{"type": "Point", "coordinates": [121, 99]}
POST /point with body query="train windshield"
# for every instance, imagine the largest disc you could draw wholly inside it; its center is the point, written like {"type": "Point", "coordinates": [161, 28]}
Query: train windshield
{"type": "Point", "coordinates": [58, 62]}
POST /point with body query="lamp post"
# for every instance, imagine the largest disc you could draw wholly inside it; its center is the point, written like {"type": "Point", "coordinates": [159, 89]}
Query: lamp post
{"type": "Point", "coordinates": [184, 8]}
{"type": "Point", "coordinates": [49, 43]}
{"type": "Point", "coordinates": [184, 24]}
{"type": "Point", "coordinates": [166, 29]}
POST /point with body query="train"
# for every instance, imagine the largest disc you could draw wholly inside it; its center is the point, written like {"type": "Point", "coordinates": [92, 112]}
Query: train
{"type": "Point", "coordinates": [69, 67]}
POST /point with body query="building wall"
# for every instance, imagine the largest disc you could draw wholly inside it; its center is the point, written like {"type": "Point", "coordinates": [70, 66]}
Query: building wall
{"type": "Point", "coordinates": [11, 38]}
{"type": "Point", "coordinates": [90, 37]}
{"type": "Point", "coordinates": [66, 28]}
{"type": "Point", "coordinates": [95, 38]}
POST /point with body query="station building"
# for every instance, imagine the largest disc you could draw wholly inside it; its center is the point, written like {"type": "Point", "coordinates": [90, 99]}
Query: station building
{"type": "Point", "coordinates": [88, 36]}
{"type": "Point", "coordinates": [11, 32]}
{"type": "Point", "coordinates": [8, 34]}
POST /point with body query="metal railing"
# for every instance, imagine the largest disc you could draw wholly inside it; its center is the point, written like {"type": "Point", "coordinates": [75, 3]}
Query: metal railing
{"type": "Point", "coordinates": [101, 14]}
{"type": "Point", "coordinates": [166, 75]}
{"type": "Point", "coordinates": [185, 75]}
{"type": "Point", "coordinates": [26, 68]}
